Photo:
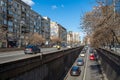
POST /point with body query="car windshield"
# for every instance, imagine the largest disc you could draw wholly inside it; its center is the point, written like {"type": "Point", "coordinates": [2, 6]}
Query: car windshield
{"type": "Point", "coordinates": [79, 60]}
{"type": "Point", "coordinates": [75, 68]}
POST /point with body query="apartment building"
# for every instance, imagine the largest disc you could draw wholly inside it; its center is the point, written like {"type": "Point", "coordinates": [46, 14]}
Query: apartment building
{"type": "Point", "coordinates": [73, 38]}
{"type": "Point", "coordinates": [62, 35]}
{"type": "Point", "coordinates": [58, 31]}
{"type": "Point", "coordinates": [54, 30]}
{"type": "Point", "coordinates": [45, 29]}
{"type": "Point", "coordinates": [3, 22]}
{"type": "Point", "coordinates": [35, 22]}
{"type": "Point", "coordinates": [17, 20]}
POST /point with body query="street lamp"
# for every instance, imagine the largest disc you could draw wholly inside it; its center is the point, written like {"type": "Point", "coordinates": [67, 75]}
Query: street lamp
{"type": "Point", "coordinates": [20, 41]}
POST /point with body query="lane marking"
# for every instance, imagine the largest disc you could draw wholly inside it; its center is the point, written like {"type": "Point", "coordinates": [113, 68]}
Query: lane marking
{"type": "Point", "coordinates": [85, 71]}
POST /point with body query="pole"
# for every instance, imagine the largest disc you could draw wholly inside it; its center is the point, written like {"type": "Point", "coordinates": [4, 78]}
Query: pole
{"type": "Point", "coordinates": [20, 37]}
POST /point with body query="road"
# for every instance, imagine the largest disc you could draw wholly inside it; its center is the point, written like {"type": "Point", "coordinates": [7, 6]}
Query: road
{"type": "Point", "coordinates": [90, 70]}
{"type": "Point", "coordinates": [16, 55]}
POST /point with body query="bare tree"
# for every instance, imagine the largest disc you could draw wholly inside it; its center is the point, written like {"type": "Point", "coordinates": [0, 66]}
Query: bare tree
{"type": "Point", "coordinates": [35, 39]}
{"type": "Point", "coordinates": [103, 26]}
{"type": "Point", "coordinates": [55, 40]}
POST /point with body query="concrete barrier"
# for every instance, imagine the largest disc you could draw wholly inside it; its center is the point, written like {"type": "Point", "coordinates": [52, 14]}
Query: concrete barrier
{"type": "Point", "coordinates": [51, 66]}
{"type": "Point", "coordinates": [110, 63]}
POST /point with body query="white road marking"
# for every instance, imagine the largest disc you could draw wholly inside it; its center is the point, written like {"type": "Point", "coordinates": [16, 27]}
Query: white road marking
{"type": "Point", "coordinates": [85, 71]}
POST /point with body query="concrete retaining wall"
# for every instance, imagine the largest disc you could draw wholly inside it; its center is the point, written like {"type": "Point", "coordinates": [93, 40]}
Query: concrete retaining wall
{"type": "Point", "coordinates": [110, 63]}
{"type": "Point", "coordinates": [51, 66]}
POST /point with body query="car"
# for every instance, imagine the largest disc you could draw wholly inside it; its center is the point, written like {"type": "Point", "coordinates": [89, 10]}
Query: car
{"type": "Point", "coordinates": [68, 46]}
{"type": "Point", "coordinates": [75, 71]}
{"type": "Point", "coordinates": [80, 62]}
{"type": "Point", "coordinates": [58, 47]}
{"type": "Point", "coordinates": [32, 49]}
{"type": "Point", "coordinates": [92, 57]}
{"type": "Point", "coordinates": [54, 46]}
{"type": "Point", "coordinates": [82, 54]}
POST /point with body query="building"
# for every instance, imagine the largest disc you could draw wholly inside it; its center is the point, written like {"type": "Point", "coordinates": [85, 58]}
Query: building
{"type": "Point", "coordinates": [59, 32]}
{"type": "Point", "coordinates": [14, 18]}
{"type": "Point", "coordinates": [62, 35]}
{"type": "Point", "coordinates": [17, 21]}
{"type": "Point", "coordinates": [73, 38]}
{"type": "Point", "coordinates": [76, 37]}
{"type": "Point", "coordinates": [3, 22]}
{"type": "Point", "coordinates": [35, 22]}
{"type": "Point", "coordinates": [54, 30]}
{"type": "Point", "coordinates": [45, 29]}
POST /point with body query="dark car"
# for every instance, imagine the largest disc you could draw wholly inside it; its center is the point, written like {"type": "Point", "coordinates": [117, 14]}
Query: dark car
{"type": "Point", "coordinates": [80, 62]}
{"type": "Point", "coordinates": [75, 71]}
{"type": "Point", "coordinates": [32, 49]}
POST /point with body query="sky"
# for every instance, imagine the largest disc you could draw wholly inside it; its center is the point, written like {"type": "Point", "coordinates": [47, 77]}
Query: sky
{"type": "Point", "coordinates": [68, 13]}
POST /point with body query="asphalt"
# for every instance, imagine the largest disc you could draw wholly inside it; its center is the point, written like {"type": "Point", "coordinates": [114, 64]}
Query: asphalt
{"type": "Point", "coordinates": [91, 70]}
{"type": "Point", "coordinates": [17, 55]}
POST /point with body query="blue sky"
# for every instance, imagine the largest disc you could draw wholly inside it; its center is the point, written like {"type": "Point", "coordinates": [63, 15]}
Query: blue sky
{"type": "Point", "coordinates": [68, 13]}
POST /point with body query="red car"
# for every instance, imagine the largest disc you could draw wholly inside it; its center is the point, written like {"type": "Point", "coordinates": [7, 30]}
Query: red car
{"type": "Point", "coordinates": [92, 57]}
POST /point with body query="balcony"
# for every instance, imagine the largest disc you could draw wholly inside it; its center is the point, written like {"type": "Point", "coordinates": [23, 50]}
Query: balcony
{"type": "Point", "coordinates": [23, 16]}
{"type": "Point", "coordinates": [10, 17]}
{"type": "Point", "coordinates": [10, 3]}
{"type": "Point", "coordinates": [4, 27]}
{"type": "Point", "coordinates": [27, 31]}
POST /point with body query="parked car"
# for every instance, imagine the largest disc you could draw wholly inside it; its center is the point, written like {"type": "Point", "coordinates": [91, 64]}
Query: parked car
{"type": "Point", "coordinates": [32, 49]}
{"type": "Point", "coordinates": [80, 62]}
{"type": "Point", "coordinates": [75, 71]}
{"type": "Point", "coordinates": [92, 57]}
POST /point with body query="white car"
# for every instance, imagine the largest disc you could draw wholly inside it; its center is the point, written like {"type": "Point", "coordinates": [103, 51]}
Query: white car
{"type": "Point", "coordinates": [82, 54]}
{"type": "Point", "coordinates": [68, 46]}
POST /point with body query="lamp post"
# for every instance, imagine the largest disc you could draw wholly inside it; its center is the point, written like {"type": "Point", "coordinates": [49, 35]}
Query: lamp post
{"type": "Point", "coordinates": [20, 41]}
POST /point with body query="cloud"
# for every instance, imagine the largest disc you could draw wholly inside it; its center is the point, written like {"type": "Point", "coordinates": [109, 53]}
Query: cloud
{"type": "Point", "coordinates": [62, 6]}
{"type": "Point", "coordinates": [29, 2]}
{"type": "Point", "coordinates": [54, 7]}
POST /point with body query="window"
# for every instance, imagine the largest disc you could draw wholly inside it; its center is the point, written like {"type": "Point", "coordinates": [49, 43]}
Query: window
{"type": "Point", "coordinates": [10, 12]}
{"type": "Point", "coordinates": [4, 9]}
{"type": "Point", "coordinates": [5, 21]}
{"type": "Point", "coordinates": [10, 0]}
{"type": "Point", "coordinates": [10, 28]}
{"type": "Point", "coordinates": [10, 23]}
{"type": "Point", "coordinates": [4, 16]}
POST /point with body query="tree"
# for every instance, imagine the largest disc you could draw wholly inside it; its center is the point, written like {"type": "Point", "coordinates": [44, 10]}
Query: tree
{"type": "Point", "coordinates": [55, 40]}
{"type": "Point", "coordinates": [104, 28]}
{"type": "Point", "coordinates": [35, 39]}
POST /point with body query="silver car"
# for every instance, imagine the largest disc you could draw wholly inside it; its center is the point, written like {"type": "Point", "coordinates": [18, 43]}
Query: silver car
{"type": "Point", "coordinates": [80, 62]}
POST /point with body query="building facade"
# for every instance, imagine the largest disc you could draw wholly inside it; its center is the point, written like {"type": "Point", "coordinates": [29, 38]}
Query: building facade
{"type": "Point", "coordinates": [17, 21]}
{"type": "Point", "coordinates": [54, 30]}
{"type": "Point", "coordinates": [45, 29]}
{"type": "Point", "coordinates": [59, 32]}
{"type": "Point", "coordinates": [73, 38]}
{"type": "Point", "coordinates": [3, 23]}
{"type": "Point", "coordinates": [62, 35]}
